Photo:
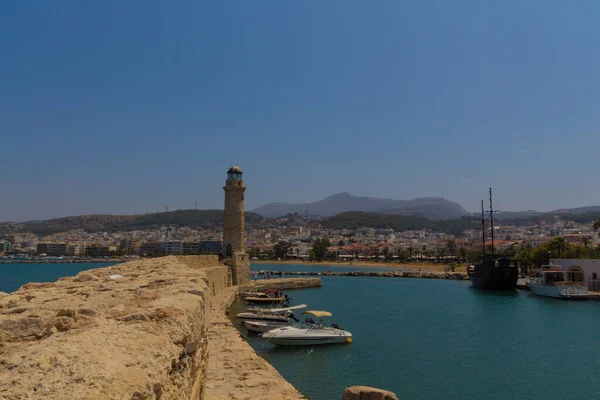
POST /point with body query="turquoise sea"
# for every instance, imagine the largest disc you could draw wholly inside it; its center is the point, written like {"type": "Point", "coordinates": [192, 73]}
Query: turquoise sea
{"type": "Point", "coordinates": [435, 339]}
{"type": "Point", "coordinates": [13, 276]}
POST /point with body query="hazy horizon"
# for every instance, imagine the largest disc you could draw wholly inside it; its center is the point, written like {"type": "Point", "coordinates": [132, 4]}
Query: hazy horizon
{"type": "Point", "coordinates": [125, 108]}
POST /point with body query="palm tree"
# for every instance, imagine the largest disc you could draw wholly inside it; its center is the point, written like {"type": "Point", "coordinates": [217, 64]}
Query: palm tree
{"type": "Point", "coordinates": [451, 247]}
{"type": "Point", "coordinates": [586, 241]}
{"type": "Point", "coordinates": [558, 244]}
{"type": "Point", "coordinates": [597, 225]}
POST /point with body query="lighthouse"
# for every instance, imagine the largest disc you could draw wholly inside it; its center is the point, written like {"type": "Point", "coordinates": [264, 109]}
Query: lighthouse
{"type": "Point", "coordinates": [234, 239]}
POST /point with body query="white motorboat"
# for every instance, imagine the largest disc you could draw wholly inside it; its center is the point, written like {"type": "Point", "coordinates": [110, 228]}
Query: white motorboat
{"type": "Point", "coordinates": [269, 314]}
{"type": "Point", "coordinates": [311, 335]}
{"type": "Point", "coordinates": [550, 281]}
{"type": "Point", "coordinates": [264, 326]}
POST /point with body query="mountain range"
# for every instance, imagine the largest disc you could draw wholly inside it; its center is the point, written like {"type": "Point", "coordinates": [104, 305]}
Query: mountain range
{"type": "Point", "coordinates": [425, 207]}
{"type": "Point", "coordinates": [340, 211]}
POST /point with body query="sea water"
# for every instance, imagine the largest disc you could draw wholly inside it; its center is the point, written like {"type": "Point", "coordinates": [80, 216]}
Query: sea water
{"type": "Point", "coordinates": [13, 276]}
{"type": "Point", "coordinates": [437, 339]}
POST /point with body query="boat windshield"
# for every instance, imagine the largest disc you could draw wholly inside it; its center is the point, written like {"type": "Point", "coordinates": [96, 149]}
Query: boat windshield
{"type": "Point", "coordinates": [554, 276]}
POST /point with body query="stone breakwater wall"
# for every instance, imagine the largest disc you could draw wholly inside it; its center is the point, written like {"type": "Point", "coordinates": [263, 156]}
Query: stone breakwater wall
{"type": "Point", "coordinates": [458, 276]}
{"type": "Point", "coordinates": [199, 261]}
{"type": "Point", "coordinates": [132, 331]}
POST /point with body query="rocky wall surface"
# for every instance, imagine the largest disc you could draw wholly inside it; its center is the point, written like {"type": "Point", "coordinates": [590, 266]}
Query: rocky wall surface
{"type": "Point", "coordinates": [136, 330]}
{"type": "Point", "coordinates": [216, 278]}
{"type": "Point", "coordinates": [199, 261]}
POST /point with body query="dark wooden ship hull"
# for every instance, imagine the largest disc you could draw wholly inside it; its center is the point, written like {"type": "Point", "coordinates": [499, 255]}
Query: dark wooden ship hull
{"type": "Point", "coordinates": [494, 278]}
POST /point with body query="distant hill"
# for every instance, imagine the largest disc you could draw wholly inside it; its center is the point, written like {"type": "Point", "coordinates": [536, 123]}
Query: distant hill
{"type": "Point", "coordinates": [578, 210]}
{"type": "Point", "coordinates": [579, 213]}
{"type": "Point", "coordinates": [425, 207]}
{"type": "Point", "coordinates": [208, 219]}
{"type": "Point", "coordinates": [355, 219]}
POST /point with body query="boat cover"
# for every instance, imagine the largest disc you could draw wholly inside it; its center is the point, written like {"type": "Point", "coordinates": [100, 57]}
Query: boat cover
{"type": "Point", "coordinates": [318, 314]}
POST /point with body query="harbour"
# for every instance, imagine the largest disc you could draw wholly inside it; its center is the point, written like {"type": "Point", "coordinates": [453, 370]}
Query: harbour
{"type": "Point", "coordinates": [414, 337]}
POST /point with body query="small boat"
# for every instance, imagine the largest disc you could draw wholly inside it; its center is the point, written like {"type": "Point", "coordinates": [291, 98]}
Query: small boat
{"type": "Point", "coordinates": [311, 335]}
{"type": "Point", "coordinates": [243, 295]}
{"type": "Point", "coordinates": [263, 326]}
{"type": "Point", "coordinates": [269, 297]}
{"type": "Point", "coordinates": [270, 314]}
{"type": "Point", "coordinates": [550, 281]}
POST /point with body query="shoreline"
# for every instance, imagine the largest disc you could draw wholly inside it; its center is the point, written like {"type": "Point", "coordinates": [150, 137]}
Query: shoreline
{"type": "Point", "coordinates": [432, 267]}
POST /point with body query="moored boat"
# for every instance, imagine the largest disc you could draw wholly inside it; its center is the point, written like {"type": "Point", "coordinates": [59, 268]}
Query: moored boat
{"type": "Point", "coordinates": [272, 296]}
{"type": "Point", "coordinates": [310, 335]}
{"type": "Point", "coordinates": [270, 314]}
{"type": "Point", "coordinates": [264, 326]}
{"type": "Point", "coordinates": [549, 281]}
{"type": "Point", "coordinates": [493, 273]}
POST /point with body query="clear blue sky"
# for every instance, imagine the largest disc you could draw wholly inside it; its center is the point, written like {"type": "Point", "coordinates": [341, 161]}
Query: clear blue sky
{"type": "Point", "coordinates": [127, 106]}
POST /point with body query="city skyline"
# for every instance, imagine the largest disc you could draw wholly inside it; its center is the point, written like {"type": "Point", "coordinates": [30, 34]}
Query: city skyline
{"type": "Point", "coordinates": [115, 108]}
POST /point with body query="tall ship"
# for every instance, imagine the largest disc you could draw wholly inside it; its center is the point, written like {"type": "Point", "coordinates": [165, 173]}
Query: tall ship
{"type": "Point", "coordinates": [493, 273]}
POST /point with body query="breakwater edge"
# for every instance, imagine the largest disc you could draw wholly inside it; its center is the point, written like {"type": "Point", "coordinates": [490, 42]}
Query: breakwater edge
{"type": "Point", "coordinates": [146, 329]}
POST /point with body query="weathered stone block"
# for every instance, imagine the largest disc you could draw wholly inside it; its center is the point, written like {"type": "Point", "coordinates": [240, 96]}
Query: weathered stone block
{"type": "Point", "coordinates": [367, 393]}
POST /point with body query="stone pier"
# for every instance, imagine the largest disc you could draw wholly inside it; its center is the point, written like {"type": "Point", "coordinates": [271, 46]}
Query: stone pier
{"type": "Point", "coordinates": [143, 330]}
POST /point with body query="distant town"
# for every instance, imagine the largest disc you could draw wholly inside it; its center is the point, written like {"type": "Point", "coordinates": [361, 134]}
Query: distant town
{"type": "Point", "coordinates": [296, 237]}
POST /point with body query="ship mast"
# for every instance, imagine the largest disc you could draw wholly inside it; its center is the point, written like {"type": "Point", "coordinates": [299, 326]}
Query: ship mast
{"type": "Point", "coordinates": [482, 228]}
{"type": "Point", "coordinates": [492, 221]}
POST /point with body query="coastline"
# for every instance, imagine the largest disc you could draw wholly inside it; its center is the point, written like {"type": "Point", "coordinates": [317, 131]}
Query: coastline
{"type": "Point", "coordinates": [431, 267]}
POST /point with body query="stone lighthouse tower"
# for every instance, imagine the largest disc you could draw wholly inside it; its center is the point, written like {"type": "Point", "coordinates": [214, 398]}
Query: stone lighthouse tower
{"type": "Point", "coordinates": [234, 239]}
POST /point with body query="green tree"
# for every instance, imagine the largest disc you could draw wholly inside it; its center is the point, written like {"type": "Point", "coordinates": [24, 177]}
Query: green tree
{"type": "Point", "coordinates": [462, 253]}
{"type": "Point", "coordinates": [411, 251]}
{"type": "Point", "coordinates": [441, 252]}
{"type": "Point", "coordinates": [451, 247]}
{"type": "Point", "coordinates": [319, 248]}
{"type": "Point", "coordinates": [254, 252]}
{"type": "Point", "coordinates": [586, 241]}
{"type": "Point", "coordinates": [523, 257]}
{"type": "Point", "coordinates": [577, 251]}
{"type": "Point", "coordinates": [282, 249]}
{"type": "Point", "coordinates": [597, 225]}
{"type": "Point", "coordinates": [269, 254]}
{"type": "Point", "coordinates": [558, 246]}
{"type": "Point", "coordinates": [540, 255]}
{"type": "Point", "coordinates": [402, 254]}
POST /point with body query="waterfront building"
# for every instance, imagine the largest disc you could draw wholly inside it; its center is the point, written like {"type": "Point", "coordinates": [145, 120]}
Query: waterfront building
{"type": "Point", "coordinates": [590, 268]}
{"type": "Point", "coordinates": [75, 250]}
{"type": "Point", "coordinates": [151, 248]}
{"type": "Point", "coordinates": [172, 247]}
{"type": "Point", "coordinates": [203, 247]}
{"type": "Point", "coordinates": [5, 246]}
{"type": "Point", "coordinates": [98, 250]}
{"type": "Point", "coordinates": [52, 248]}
